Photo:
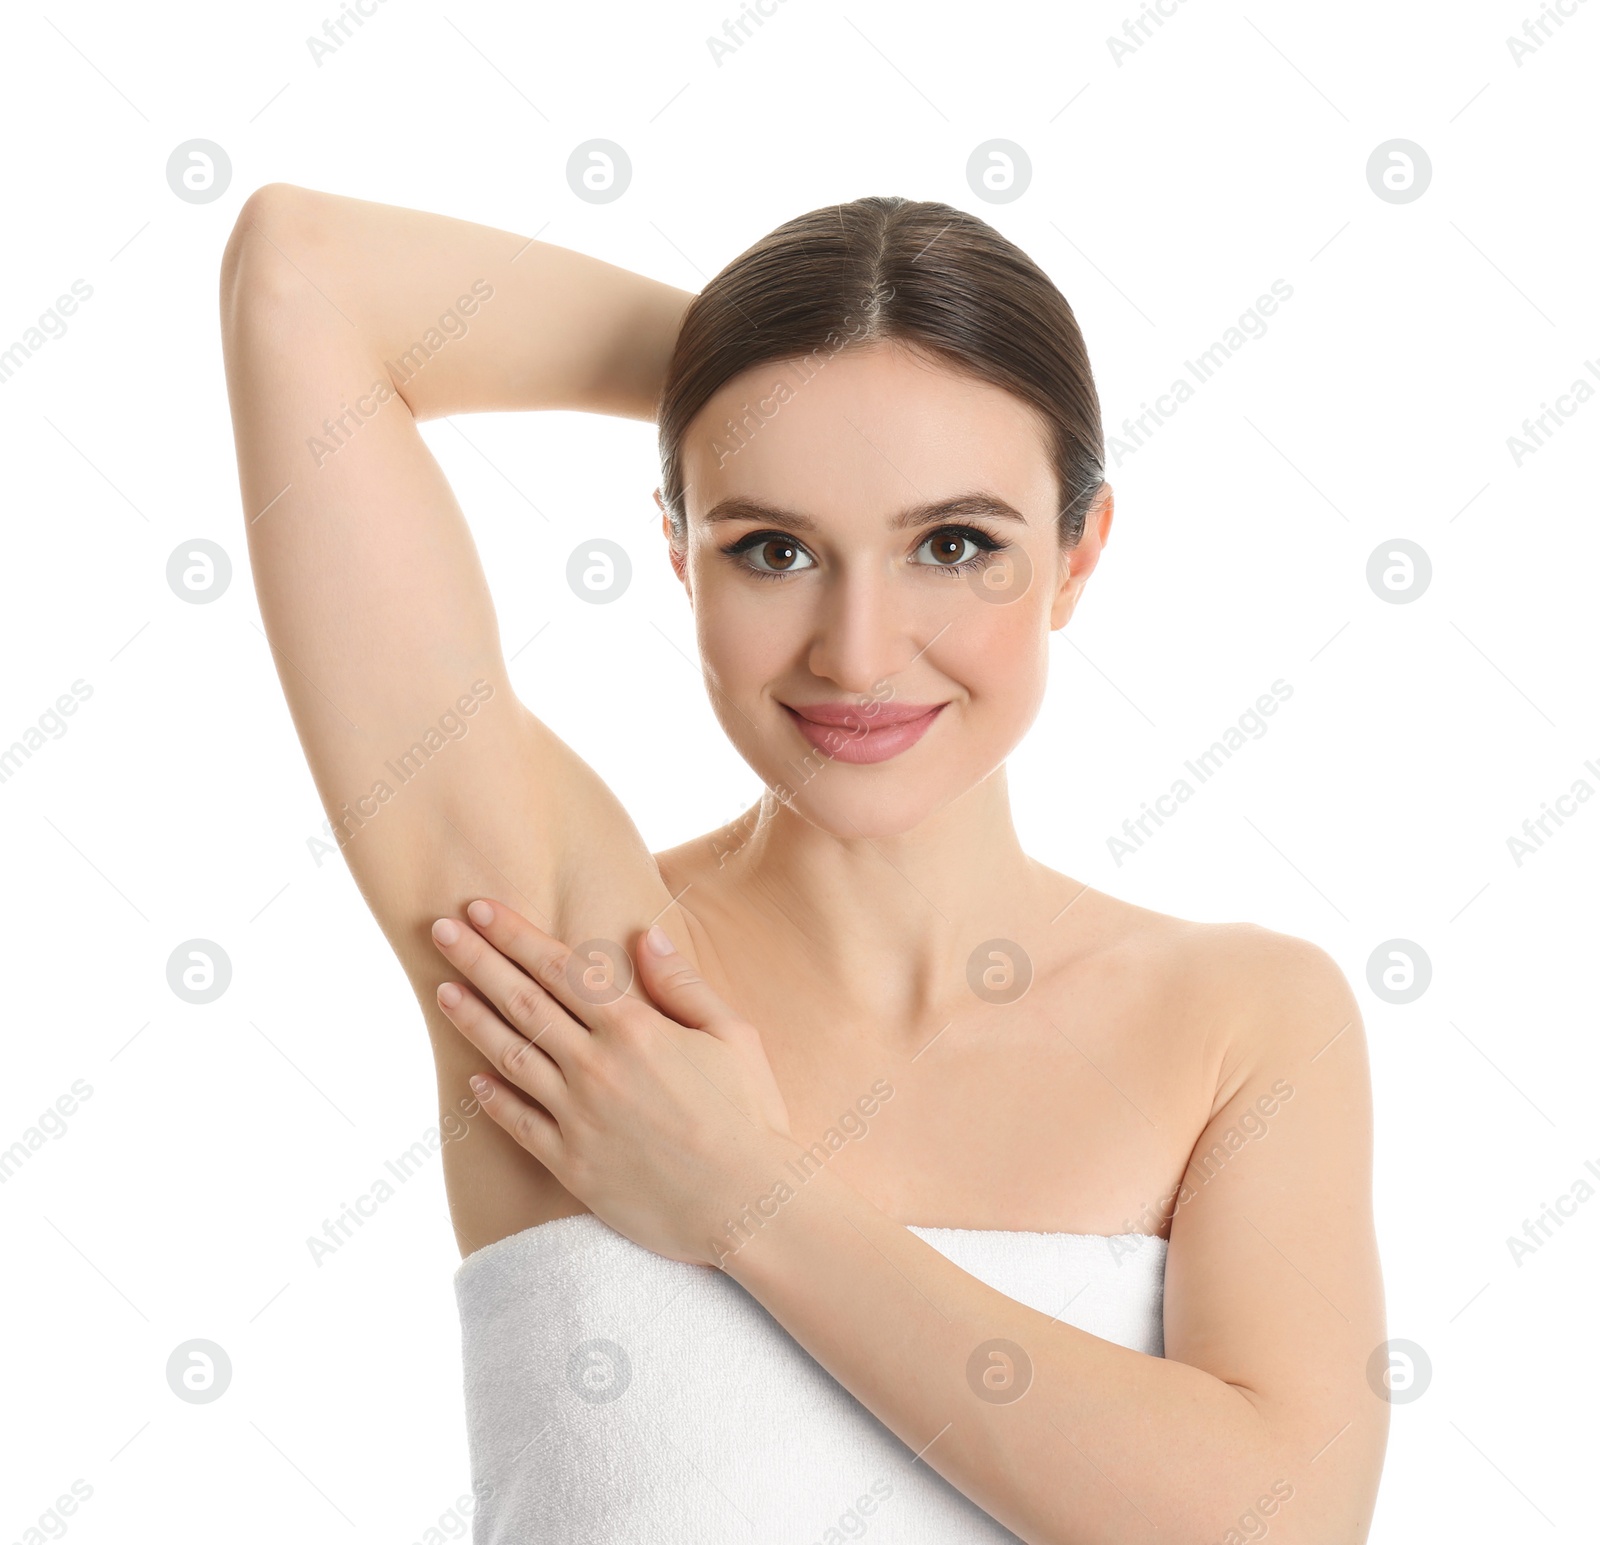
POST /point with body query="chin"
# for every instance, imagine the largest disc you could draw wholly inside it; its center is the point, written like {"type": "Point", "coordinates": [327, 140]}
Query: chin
{"type": "Point", "coordinates": [880, 801]}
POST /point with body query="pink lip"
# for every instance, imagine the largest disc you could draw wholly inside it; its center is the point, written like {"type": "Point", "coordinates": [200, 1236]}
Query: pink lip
{"type": "Point", "coordinates": [849, 732]}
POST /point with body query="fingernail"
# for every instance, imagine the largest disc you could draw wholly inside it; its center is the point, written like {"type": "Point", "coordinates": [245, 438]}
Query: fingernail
{"type": "Point", "coordinates": [658, 941]}
{"type": "Point", "coordinates": [449, 994]}
{"type": "Point", "coordinates": [480, 1086]}
{"type": "Point", "coordinates": [481, 913]}
{"type": "Point", "coordinates": [445, 931]}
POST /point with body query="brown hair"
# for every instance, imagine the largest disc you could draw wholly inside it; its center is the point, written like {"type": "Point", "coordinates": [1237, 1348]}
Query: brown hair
{"type": "Point", "coordinates": [889, 268]}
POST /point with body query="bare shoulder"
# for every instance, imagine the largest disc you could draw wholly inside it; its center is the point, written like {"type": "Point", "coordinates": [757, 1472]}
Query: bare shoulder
{"type": "Point", "coordinates": [1241, 995]}
{"type": "Point", "coordinates": [1285, 999]}
{"type": "Point", "coordinates": [1241, 961]}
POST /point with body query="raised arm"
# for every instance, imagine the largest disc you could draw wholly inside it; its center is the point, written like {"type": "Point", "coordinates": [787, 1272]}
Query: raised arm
{"type": "Point", "coordinates": [344, 322]}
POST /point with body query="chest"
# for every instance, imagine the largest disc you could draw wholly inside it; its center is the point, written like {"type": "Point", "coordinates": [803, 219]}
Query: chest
{"type": "Point", "coordinates": [1071, 1110]}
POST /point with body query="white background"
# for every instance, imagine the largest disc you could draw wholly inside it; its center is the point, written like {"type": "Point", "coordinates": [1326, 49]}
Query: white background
{"type": "Point", "coordinates": [1168, 192]}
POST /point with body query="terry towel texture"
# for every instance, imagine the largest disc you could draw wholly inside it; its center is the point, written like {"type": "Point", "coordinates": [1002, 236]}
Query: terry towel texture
{"type": "Point", "coordinates": [614, 1397]}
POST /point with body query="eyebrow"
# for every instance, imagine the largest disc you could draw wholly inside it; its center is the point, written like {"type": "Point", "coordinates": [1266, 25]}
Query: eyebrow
{"type": "Point", "coordinates": [738, 507]}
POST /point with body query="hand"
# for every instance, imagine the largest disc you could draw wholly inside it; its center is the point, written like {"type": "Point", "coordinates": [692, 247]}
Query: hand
{"type": "Point", "coordinates": [665, 1124]}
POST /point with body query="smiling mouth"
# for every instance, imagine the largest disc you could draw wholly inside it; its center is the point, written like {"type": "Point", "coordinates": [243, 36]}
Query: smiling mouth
{"type": "Point", "coordinates": [851, 733]}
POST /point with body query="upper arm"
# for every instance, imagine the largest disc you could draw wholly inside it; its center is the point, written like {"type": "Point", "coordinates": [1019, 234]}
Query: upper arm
{"type": "Point", "coordinates": [1273, 1281]}
{"type": "Point", "coordinates": [377, 610]}
{"type": "Point", "coordinates": [440, 785]}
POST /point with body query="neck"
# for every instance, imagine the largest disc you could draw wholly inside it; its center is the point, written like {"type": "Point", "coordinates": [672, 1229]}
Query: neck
{"type": "Point", "coordinates": [891, 922]}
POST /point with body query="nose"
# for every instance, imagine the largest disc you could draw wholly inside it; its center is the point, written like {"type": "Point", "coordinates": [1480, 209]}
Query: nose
{"type": "Point", "coordinates": [864, 629]}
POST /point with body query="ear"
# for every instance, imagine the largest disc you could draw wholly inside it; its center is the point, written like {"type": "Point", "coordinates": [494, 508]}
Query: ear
{"type": "Point", "coordinates": [1078, 564]}
{"type": "Point", "coordinates": [675, 553]}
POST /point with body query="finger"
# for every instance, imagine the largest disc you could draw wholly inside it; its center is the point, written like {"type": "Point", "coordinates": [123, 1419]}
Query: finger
{"type": "Point", "coordinates": [515, 1056]}
{"type": "Point", "coordinates": [530, 1127]}
{"type": "Point", "coordinates": [521, 1001]}
{"type": "Point", "coordinates": [678, 989]}
{"type": "Point", "coordinates": [587, 981]}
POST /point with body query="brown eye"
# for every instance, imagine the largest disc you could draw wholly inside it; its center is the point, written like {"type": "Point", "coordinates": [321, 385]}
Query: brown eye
{"type": "Point", "coordinates": [770, 554]}
{"type": "Point", "coordinates": [956, 548]}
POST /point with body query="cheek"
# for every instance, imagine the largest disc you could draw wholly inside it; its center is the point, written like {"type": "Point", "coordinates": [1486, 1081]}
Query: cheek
{"type": "Point", "coordinates": [745, 639]}
{"type": "Point", "coordinates": [1002, 655]}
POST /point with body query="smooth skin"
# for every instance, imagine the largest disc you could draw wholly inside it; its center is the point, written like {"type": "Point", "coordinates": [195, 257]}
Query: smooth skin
{"type": "Point", "coordinates": [822, 942]}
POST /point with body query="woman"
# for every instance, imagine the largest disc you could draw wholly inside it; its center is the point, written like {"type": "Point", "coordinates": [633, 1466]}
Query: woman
{"type": "Point", "coordinates": [1027, 1209]}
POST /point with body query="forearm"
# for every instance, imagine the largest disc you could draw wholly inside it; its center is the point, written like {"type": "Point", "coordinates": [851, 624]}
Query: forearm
{"type": "Point", "coordinates": [465, 318]}
{"type": "Point", "coordinates": [1102, 1434]}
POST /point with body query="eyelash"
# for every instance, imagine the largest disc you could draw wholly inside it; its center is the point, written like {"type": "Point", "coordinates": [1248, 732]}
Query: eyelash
{"type": "Point", "coordinates": [980, 539]}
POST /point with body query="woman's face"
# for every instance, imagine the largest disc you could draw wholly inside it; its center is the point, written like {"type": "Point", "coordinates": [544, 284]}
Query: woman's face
{"type": "Point", "coordinates": [873, 561]}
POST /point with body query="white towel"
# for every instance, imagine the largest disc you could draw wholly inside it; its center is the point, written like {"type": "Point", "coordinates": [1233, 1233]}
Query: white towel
{"type": "Point", "coordinates": [615, 1396]}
